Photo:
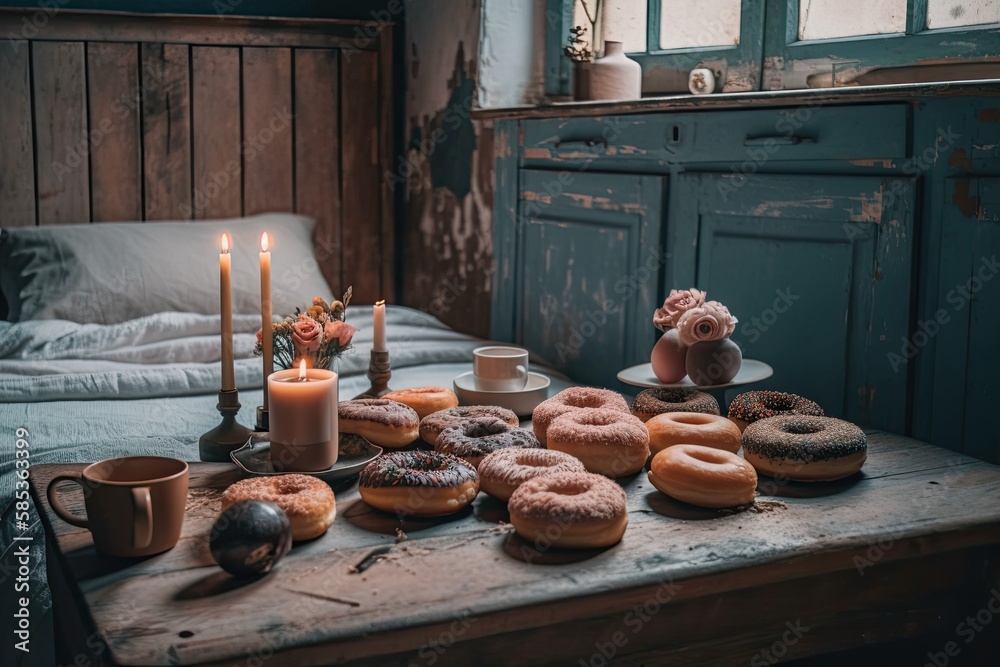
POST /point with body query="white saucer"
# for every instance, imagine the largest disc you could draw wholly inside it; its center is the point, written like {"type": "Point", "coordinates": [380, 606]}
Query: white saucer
{"type": "Point", "coordinates": [522, 401]}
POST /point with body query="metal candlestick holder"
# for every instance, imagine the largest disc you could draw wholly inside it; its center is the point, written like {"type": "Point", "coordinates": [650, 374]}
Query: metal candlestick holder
{"type": "Point", "coordinates": [379, 372]}
{"type": "Point", "coordinates": [263, 420]}
{"type": "Point", "coordinates": [215, 445]}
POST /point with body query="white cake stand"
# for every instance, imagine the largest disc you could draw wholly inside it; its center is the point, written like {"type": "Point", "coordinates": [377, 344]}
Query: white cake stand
{"type": "Point", "coordinates": [751, 371]}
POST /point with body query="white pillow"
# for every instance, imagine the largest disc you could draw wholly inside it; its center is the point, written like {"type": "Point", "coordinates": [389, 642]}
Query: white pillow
{"type": "Point", "coordinates": [113, 272]}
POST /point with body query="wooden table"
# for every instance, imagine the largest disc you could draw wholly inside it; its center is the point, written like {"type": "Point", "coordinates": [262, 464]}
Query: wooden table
{"type": "Point", "coordinates": [908, 548]}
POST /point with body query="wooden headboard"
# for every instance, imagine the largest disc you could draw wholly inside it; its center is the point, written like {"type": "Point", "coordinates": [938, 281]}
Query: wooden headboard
{"type": "Point", "coordinates": [111, 117]}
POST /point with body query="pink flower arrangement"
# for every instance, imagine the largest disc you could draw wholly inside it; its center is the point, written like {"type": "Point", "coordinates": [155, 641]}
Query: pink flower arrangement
{"type": "Point", "coordinates": [675, 305]}
{"type": "Point", "coordinates": [708, 322]}
{"type": "Point", "coordinates": [317, 335]}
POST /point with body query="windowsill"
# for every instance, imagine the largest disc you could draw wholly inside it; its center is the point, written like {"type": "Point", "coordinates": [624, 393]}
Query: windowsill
{"type": "Point", "coordinates": [688, 102]}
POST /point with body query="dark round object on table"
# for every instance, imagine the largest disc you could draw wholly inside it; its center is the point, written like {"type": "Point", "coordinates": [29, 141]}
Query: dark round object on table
{"type": "Point", "coordinates": [656, 401]}
{"type": "Point", "coordinates": [250, 537]}
{"type": "Point", "coordinates": [713, 362]}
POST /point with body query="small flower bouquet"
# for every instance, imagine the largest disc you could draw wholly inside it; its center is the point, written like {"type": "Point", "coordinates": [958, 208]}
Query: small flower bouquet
{"type": "Point", "coordinates": [319, 335]}
{"type": "Point", "coordinates": [695, 340]}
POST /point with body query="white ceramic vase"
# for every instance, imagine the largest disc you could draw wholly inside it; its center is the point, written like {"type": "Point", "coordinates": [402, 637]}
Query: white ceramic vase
{"type": "Point", "coordinates": [615, 76]}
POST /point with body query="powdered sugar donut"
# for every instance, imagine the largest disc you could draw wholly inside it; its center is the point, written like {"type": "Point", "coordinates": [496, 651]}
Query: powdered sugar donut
{"type": "Point", "coordinates": [608, 442]}
{"type": "Point", "coordinates": [503, 471]}
{"type": "Point", "coordinates": [573, 398]}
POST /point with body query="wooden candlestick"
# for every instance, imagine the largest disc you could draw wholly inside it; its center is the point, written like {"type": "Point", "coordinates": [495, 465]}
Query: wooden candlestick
{"type": "Point", "coordinates": [379, 372]}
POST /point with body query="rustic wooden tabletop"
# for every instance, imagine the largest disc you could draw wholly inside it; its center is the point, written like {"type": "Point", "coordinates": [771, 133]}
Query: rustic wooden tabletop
{"type": "Point", "coordinates": [884, 554]}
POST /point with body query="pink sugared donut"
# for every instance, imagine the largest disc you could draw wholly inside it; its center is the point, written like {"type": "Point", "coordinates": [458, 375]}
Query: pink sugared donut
{"type": "Point", "coordinates": [573, 398]}
{"type": "Point", "coordinates": [504, 470]}
{"type": "Point", "coordinates": [609, 442]}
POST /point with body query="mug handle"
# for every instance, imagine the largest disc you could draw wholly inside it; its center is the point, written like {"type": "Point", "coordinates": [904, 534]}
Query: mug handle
{"type": "Point", "coordinates": [57, 506]}
{"type": "Point", "coordinates": [521, 372]}
{"type": "Point", "coordinates": [142, 527]}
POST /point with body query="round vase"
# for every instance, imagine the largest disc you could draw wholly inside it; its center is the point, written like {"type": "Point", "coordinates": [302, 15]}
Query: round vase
{"type": "Point", "coordinates": [713, 362]}
{"type": "Point", "coordinates": [668, 358]}
{"type": "Point", "coordinates": [615, 76]}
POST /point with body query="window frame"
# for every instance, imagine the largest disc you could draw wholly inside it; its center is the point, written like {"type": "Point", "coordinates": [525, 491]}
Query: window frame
{"type": "Point", "coordinates": [770, 56]}
{"type": "Point", "coordinates": [789, 61]}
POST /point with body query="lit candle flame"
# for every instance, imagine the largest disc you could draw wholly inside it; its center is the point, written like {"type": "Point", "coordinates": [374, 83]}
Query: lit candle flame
{"type": "Point", "coordinates": [224, 241]}
{"type": "Point", "coordinates": [264, 242]}
{"type": "Point", "coordinates": [302, 369]}
{"type": "Point", "coordinates": [380, 303]}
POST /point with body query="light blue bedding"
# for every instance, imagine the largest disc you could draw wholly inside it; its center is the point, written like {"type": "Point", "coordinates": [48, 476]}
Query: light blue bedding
{"type": "Point", "coordinates": [86, 392]}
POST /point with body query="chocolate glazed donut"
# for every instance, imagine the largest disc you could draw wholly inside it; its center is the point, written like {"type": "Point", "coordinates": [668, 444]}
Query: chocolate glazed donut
{"type": "Point", "coordinates": [652, 402]}
{"type": "Point", "coordinates": [418, 483]}
{"type": "Point", "coordinates": [805, 448]}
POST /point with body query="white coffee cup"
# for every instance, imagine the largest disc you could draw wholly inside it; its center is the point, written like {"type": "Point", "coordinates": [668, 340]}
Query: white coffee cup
{"type": "Point", "coordinates": [499, 368]}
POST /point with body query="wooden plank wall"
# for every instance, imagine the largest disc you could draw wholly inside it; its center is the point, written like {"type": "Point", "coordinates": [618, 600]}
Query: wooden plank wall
{"type": "Point", "coordinates": [126, 118]}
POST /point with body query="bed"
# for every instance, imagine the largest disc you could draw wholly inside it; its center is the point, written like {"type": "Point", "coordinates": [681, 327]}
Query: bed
{"type": "Point", "coordinates": [139, 372]}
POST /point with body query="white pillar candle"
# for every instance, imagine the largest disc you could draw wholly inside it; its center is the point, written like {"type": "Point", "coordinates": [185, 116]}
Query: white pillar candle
{"type": "Point", "coordinates": [226, 310]}
{"type": "Point", "coordinates": [303, 419]}
{"type": "Point", "coordinates": [379, 314]}
{"type": "Point", "coordinates": [267, 338]}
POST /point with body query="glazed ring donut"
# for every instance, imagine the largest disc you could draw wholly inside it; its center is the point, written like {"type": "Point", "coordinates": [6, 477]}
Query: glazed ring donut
{"type": "Point", "coordinates": [425, 400]}
{"type": "Point", "coordinates": [576, 510]}
{"type": "Point", "coordinates": [573, 398]}
{"type": "Point", "coordinates": [805, 448]}
{"type": "Point", "coordinates": [418, 483]}
{"type": "Point", "coordinates": [656, 401]}
{"type": "Point", "coordinates": [703, 476]}
{"type": "Point", "coordinates": [751, 406]}
{"type": "Point", "coordinates": [474, 439]}
{"type": "Point", "coordinates": [504, 470]}
{"type": "Point", "coordinates": [609, 442]}
{"type": "Point", "coordinates": [432, 425]}
{"type": "Point", "coordinates": [309, 502]}
{"type": "Point", "coordinates": [692, 428]}
{"type": "Point", "coordinates": [380, 421]}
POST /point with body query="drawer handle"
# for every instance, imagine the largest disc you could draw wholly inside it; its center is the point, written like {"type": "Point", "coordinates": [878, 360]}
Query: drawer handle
{"type": "Point", "coordinates": [778, 140]}
{"type": "Point", "coordinates": [582, 143]}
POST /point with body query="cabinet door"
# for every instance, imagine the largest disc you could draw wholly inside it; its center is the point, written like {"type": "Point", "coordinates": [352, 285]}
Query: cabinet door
{"type": "Point", "coordinates": [817, 270]}
{"type": "Point", "coordinates": [589, 260]}
{"type": "Point", "coordinates": [963, 329]}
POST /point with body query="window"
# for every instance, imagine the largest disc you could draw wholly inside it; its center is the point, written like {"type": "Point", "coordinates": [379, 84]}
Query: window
{"type": "Point", "coordinates": [774, 44]}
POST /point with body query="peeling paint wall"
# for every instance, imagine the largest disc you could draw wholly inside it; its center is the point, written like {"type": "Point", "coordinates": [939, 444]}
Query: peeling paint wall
{"type": "Point", "coordinates": [447, 168]}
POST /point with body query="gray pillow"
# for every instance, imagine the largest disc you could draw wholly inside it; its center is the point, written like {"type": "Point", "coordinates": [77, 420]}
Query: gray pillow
{"type": "Point", "coordinates": [113, 272]}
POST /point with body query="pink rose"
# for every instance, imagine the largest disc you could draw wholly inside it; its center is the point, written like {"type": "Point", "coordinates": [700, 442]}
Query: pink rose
{"type": "Point", "coordinates": [260, 336]}
{"type": "Point", "coordinates": [342, 332]}
{"type": "Point", "coordinates": [711, 321]}
{"type": "Point", "coordinates": [306, 335]}
{"type": "Point", "coordinates": [675, 305]}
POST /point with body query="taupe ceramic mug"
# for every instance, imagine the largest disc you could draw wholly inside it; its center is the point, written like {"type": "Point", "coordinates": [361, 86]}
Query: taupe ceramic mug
{"type": "Point", "coordinates": [135, 504]}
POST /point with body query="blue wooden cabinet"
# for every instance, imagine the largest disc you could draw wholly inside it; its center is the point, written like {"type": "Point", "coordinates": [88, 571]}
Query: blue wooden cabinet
{"type": "Point", "coordinates": [857, 244]}
{"type": "Point", "coordinates": [588, 269]}
{"type": "Point", "coordinates": [817, 269]}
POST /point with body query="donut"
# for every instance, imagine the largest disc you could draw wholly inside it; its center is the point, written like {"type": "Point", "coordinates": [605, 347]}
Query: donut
{"type": "Point", "coordinates": [805, 448]}
{"type": "Point", "coordinates": [609, 442]}
{"type": "Point", "coordinates": [473, 439]}
{"type": "Point", "coordinates": [703, 476]}
{"type": "Point", "coordinates": [418, 483]}
{"type": "Point", "coordinates": [573, 398]}
{"type": "Point", "coordinates": [575, 510]}
{"type": "Point", "coordinates": [432, 425]}
{"type": "Point", "coordinates": [692, 428]}
{"type": "Point", "coordinates": [656, 401]}
{"type": "Point", "coordinates": [425, 400]}
{"type": "Point", "coordinates": [506, 469]}
{"type": "Point", "coordinates": [309, 502]}
{"type": "Point", "coordinates": [382, 422]}
{"type": "Point", "coordinates": [750, 406]}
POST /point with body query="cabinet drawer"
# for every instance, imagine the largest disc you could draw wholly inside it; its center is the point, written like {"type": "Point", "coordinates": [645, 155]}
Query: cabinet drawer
{"type": "Point", "coordinates": [758, 135]}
